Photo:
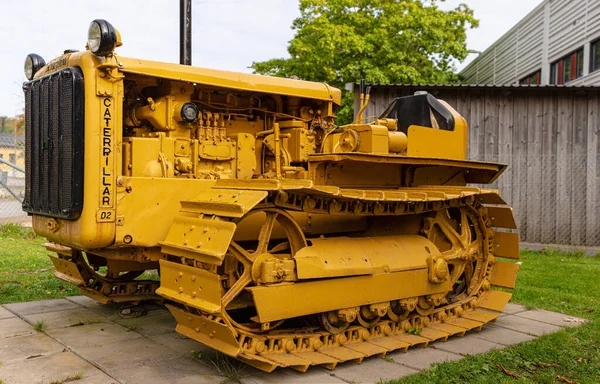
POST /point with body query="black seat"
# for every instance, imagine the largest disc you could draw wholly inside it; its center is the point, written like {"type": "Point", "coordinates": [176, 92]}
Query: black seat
{"type": "Point", "coordinates": [417, 110]}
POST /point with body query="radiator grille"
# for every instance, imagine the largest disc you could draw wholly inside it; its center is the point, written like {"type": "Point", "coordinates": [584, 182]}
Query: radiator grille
{"type": "Point", "coordinates": [54, 144]}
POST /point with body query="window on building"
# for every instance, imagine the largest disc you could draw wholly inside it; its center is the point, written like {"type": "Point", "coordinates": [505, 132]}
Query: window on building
{"type": "Point", "coordinates": [595, 56]}
{"type": "Point", "coordinates": [534, 78]}
{"type": "Point", "coordinates": [12, 157]}
{"type": "Point", "coordinates": [567, 68]}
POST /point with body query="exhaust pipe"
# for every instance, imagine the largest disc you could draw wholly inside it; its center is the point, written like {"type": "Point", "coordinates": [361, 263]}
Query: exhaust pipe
{"type": "Point", "coordinates": [185, 32]}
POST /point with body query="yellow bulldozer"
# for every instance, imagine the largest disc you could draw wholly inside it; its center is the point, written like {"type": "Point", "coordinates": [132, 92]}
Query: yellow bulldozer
{"type": "Point", "coordinates": [279, 237]}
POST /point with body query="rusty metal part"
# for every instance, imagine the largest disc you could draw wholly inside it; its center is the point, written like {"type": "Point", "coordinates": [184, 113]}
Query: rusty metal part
{"type": "Point", "coordinates": [112, 287]}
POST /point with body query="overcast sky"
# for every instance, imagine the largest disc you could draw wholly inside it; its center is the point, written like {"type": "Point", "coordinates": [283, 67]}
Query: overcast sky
{"type": "Point", "coordinates": [227, 34]}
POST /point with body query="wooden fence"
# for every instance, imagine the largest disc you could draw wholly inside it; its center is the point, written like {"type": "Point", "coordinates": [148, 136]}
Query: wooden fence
{"type": "Point", "coordinates": [548, 135]}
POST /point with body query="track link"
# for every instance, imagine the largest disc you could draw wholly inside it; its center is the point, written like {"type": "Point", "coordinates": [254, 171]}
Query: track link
{"type": "Point", "coordinates": [303, 346]}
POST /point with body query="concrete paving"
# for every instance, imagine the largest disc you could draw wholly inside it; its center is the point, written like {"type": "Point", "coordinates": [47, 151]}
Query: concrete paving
{"type": "Point", "coordinates": [83, 338]}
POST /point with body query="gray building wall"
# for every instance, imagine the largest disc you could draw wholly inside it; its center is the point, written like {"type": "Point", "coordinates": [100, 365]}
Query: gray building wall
{"type": "Point", "coordinates": [552, 30]}
{"type": "Point", "coordinates": [550, 138]}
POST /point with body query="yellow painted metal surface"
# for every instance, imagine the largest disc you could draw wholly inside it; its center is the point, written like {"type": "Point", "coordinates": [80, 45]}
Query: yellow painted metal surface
{"type": "Point", "coordinates": [193, 286]}
{"type": "Point", "coordinates": [209, 332]}
{"type": "Point", "coordinates": [337, 256]}
{"type": "Point", "coordinates": [258, 208]}
{"type": "Point", "coordinates": [232, 80]}
{"type": "Point", "coordinates": [223, 202]}
{"type": "Point", "coordinates": [427, 142]}
{"type": "Point", "coordinates": [506, 244]}
{"type": "Point", "coordinates": [67, 271]}
{"type": "Point", "coordinates": [504, 274]}
{"type": "Point", "coordinates": [502, 217]}
{"type": "Point", "coordinates": [198, 238]}
{"type": "Point", "coordinates": [495, 300]}
{"type": "Point", "coordinates": [103, 115]}
{"type": "Point", "coordinates": [272, 302]}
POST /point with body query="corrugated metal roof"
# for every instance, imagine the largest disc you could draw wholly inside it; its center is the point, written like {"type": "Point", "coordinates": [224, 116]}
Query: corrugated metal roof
{"type": "Point", "coordinates": [487, 86]}
{"type": "Point", "coordinates": [9, 140]}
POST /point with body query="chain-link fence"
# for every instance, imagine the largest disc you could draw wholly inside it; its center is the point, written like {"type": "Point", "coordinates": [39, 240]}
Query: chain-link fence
{"type": "Point", "coordinates": [12, 178]}
{"type": "Point", "coordinates": [556, 198]}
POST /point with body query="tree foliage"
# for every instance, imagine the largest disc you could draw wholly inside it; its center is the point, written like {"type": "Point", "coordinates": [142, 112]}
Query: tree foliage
{"type": "Point", "coordinates": [382, 41]}
{"type": "Point", "coordinates": [12, 124]}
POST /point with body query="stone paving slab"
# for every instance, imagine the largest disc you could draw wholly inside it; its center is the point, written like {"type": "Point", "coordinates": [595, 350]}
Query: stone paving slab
{"type": "Point", "coordinates": [501, 335]}
{"type": "Point", "coordinates": [316, 375]}
{"type": "Point", "coordinates": [168, 371]}
{"type": "Point", "coordinates": [14, 326]}
{"type": "Point", "coordinates": [153, 324]}
{"type": "Point", "coordinates": [558, 319]}
{"type": "Point", "coordinates": [22, 347]}
{"type": "Point", "coordinates": [96, 334]}
{"type": "Point", "coordinates": [67, 318]}
{"type": "Point", "coordinates": [5, 313]}
{"type": "Point", "coordinates": [49, 368]}
{"type": "Point", "coordinates": [467, 345]}
{"type": "Point", "coordinates": [83, 301]}
{"type": "Point", "coordinates": [110, 349]}
{"type": "Point", "coordinates": [179, 344]}
{"type": "Point", "coordinates": [422, 358]}
{"type": "Point", "coordinates": [29, 308]}
{"type": "Point", "coordinates": [524, 325]}
{"type": "Point", "coordinates": [124, 354]}
{"type": "Point", "coordinates": [512, 309]}
{"type": "Point", "coordinates": [372, 370]}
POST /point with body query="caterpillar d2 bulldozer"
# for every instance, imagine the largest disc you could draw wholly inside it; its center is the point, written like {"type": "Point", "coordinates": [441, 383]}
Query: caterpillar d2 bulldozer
{"type": "Point", "coordinates": [280, 238]}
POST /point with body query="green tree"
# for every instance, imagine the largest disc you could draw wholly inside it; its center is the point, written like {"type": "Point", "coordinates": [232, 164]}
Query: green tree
{"type": "Point", "coordinates": [382, 41]}
{"type": "Point", "coordinates": [12, 124]}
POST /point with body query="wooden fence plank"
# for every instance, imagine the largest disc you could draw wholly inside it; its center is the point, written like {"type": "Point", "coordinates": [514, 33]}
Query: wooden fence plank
{"type": "Point", "coordinates": [519, 161]}
{"type": "Point", "coordinates": [476, 124]}
{"type": "Point", "coordinates": [505, 142]}
{"type": "Point", "coordinates": [534, 182]}
{"type": "Point", "coordinates": [592, 236]}
{"type": "Point", "coordinates": [579, 169]}
{"type": "Point", "coordinates": [548, 171]}
{"type": "Point", "coordinates": [550, 137]}
{"type": "Point", "coordinates": [490, 126]}
{"type": "Point", "coordinates": [564, 147]}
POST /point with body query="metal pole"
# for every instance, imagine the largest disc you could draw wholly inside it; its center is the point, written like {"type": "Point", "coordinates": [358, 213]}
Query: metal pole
{"type": "Point", "coordinates": [2, 161]}
{"type": "Point", "coordinates": [185, 32]}
{"type": "Point", "coordinates": [11, 192]}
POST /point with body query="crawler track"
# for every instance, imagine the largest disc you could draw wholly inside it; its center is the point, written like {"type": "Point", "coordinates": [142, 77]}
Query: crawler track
{"type": "Point", "coordinates": [456, 220]}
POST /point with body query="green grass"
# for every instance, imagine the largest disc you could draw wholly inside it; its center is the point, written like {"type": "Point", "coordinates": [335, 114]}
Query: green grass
{"type": "Point", "coordinates": [68, 379]}
{"type": "Point", "coordinates": [26, 272]}
{"type": "Point", "coordinates": [562, 282]}
{"type": "Point", "coordinates": [40, 326]}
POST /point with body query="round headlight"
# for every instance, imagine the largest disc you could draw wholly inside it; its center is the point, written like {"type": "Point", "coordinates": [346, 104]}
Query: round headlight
{"type": "Point", "coordinates": [33, 63]}
{"type": "Point", "coordinates": [102, 37]}
{"type": "Point", "coordinates": [189, 112]}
